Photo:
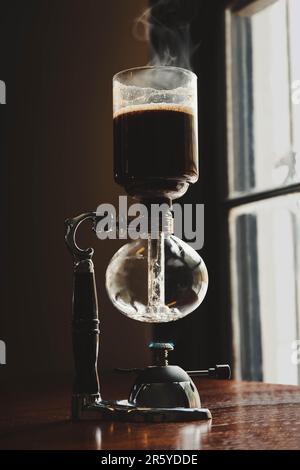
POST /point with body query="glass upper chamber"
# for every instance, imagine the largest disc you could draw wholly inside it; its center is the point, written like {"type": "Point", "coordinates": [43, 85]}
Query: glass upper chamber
{"type": "Point", "coordinates": [155, 131]}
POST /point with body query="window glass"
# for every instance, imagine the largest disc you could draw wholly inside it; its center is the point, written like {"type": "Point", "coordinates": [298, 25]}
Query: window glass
{"type": "Point", "coordinates": [265, 256]}
{"type": "Point", "coordinates": [263, 122]}
{"type": "Point", "coordinates": [294, 22]}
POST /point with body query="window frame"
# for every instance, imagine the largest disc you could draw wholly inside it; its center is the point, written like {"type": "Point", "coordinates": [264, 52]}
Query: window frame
{"type": "Point", "coordinates": [230, 202]}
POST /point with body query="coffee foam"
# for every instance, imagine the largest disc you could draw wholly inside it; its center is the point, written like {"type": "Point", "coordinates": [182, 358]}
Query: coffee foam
{"type": "Point", "coordinates": [154, 107]}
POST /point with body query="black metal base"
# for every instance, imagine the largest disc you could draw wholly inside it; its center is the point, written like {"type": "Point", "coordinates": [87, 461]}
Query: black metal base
{"type": "Point", "coordinates": [123, 411]}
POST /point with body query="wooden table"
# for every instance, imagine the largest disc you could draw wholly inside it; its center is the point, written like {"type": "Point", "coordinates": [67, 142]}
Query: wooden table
{"type": "Point", "coordinates": [246, 415]}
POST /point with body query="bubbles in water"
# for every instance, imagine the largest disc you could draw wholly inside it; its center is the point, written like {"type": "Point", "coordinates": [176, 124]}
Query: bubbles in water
{"type": "Point", "coordinates": [186, 281]}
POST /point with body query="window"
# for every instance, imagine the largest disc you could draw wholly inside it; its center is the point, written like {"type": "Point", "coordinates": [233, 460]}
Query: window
{"type": "Point", "coordinates": [263, 198]}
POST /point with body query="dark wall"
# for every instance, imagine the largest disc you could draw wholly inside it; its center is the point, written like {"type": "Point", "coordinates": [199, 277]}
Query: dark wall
{"type": "Point", "coordinates": [57, 58]}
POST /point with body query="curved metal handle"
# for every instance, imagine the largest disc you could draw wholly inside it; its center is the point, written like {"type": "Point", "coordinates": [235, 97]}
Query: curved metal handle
{"type": "Point", "coordinates": [72, 225]}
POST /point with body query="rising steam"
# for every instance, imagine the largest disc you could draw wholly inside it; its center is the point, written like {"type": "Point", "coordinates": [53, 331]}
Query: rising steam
{"type": "Point", "coordinates": [166, 26]}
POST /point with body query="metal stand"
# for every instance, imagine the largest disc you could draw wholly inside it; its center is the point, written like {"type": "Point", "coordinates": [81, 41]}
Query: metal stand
{"type": "Point", "coordinates": [86, 398]}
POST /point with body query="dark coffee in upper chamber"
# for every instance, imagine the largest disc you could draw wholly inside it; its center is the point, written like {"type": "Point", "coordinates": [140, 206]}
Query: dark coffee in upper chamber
{"type": "Point", "coordinates": [155, 150]}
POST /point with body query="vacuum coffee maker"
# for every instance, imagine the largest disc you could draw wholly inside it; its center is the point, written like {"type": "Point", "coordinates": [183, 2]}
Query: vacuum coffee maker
{"type": "Point", "coordinates": [156, 277]}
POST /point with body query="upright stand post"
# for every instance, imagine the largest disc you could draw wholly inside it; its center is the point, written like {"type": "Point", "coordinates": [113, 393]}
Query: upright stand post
{"type": "Point", "coordinates": [85, 322]}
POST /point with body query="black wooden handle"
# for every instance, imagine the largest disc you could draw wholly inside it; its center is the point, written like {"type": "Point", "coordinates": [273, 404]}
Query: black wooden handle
{"type": "Point", "coordinates": [85, 329]}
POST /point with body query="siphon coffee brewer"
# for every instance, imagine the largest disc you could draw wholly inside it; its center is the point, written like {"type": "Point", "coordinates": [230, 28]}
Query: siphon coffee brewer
{"type": "Point", "coordinates": [156, 277]}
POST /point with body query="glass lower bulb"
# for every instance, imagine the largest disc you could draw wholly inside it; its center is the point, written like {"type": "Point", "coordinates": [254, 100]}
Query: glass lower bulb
{"type": "Point", "coordinates": [156, 281]}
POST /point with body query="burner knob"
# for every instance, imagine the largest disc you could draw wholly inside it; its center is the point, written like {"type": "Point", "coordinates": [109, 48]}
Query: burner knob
{"type": "Point", "coordinates": [161, 351]}
{"type": "Point", "coordinates": [220, 371]}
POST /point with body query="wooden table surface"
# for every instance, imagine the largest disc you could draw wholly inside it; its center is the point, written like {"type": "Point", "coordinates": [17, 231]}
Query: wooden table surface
{"type": "Point", "coordinates": [246, 415]}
